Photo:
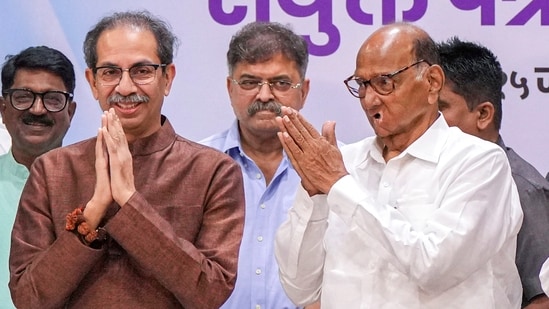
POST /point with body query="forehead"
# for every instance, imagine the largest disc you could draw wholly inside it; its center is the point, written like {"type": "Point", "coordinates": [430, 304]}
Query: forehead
{"type": "Point", "coordinates": [384, 52]}
{"type": "Point", "coordinates": [38, 80]}
{"type": "Point", "coordinates": [274, 66]}
{"type": "Point", "coordinates": [126, 45]}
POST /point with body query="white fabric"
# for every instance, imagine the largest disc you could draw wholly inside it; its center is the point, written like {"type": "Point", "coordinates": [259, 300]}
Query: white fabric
{"type": "Point", "coordinates": [544, 277]}
{"type": "Point", "coordinates": [5, 139]}
{"type": "Point", "coordinates": [435, 227]}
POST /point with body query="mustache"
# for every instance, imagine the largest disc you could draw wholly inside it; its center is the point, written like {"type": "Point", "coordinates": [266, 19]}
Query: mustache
{"type": "Point", "coordinates": [29, 118]}
{"type": "Point", "coordinates": [132, 98]}
{"type": "Point", "coordinates": [270, 105]}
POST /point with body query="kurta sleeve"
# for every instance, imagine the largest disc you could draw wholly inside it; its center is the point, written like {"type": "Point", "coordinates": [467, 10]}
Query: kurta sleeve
{"type": "Point", "coordinates": [200, 273]}
{"type": "Point", "coordinates": [47, 263]}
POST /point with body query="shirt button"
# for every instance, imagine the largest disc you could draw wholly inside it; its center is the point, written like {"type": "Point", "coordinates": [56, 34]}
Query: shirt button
{"type": "Point", "coordinates": [258, 271]}
{"type": "Point", "coordinates": [258, 176]}
{"type": "Point", "coordinates": [262, 206]}
{"type": "Point", "coordinates": [257, 306]}
{"type": "Point", "coordinates": [259, 238]}
{"type": "Point", "coordinates": [385, 184]}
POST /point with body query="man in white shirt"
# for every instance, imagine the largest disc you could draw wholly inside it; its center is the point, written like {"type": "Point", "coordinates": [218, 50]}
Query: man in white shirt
{"type": "Point", "coordinates": [5, 140]}
{"type": "Point", "coordinates": [419, 216]}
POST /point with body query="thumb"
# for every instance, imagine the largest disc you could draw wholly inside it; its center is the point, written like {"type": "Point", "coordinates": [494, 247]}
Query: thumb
{"type": "Point", "coordinates": [328, 132]}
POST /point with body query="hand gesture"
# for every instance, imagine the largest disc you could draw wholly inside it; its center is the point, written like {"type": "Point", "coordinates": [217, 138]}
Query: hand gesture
{"type": "Point", "coordinates": [315, 157]}
{"type": "Point", "coordinates": [113, 169]}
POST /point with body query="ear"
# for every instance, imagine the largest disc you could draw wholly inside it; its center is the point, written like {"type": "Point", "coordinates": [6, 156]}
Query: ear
{"type": "Point", "coordinates": [2, 108]}
{"type": "Point", "coordinates": [229, 84]}
{"type": "Point", "coordinates": [91, 81]}
{"type": "Point", "coordinates": [435, 77]}
{"type": "Point", "coordinates": [485, 113]}
{"type": "Point", "coordinates": [304, 90]}
{"type": "Point", "coordinates": [71, 109]}
{"type": "Point", "coordinates": [169, 75]}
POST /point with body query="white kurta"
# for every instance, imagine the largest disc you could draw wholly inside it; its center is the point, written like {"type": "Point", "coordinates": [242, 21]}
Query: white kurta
{"type": "Point", "coordinates": [434, 227]}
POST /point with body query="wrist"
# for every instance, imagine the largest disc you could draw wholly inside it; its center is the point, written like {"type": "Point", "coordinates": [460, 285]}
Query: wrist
{"type": "Point", "coordinates": [77, 223]}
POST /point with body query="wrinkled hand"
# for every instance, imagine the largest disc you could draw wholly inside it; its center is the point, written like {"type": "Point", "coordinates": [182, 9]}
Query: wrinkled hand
{"type": "Point", "coordinates": [120, 159]}
{"type": "Point", "coordinates": [315, 157]}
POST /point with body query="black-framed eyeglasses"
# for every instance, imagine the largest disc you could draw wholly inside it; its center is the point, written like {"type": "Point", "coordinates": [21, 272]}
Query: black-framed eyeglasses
{"type": "Point", "coordinates": [23, 99]}
{"type": "Point", "coordinates": [278, 85]}
{"type": "Point", "coordinates": [140, 74]}
{"type": "Point", "coordinates": [382, 84]}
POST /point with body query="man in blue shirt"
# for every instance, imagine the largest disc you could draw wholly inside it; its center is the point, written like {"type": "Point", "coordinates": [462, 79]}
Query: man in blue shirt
{"type": "Point", "coordinates": [37, 108]}
{"type": "Point", "coordinates": [267, 64]}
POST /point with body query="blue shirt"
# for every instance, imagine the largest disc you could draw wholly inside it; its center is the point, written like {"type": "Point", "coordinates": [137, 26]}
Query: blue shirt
{"type": "Point", "coordinates": [12, 180]}
{"type": "Point", "coordinates": [258, 285]}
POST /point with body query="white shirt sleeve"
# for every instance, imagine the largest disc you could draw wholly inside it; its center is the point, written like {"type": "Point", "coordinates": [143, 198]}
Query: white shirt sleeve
{"type": "Point", "coordinates": [544, 277]}
{"type": "Point", "coordinates": [299, 248]}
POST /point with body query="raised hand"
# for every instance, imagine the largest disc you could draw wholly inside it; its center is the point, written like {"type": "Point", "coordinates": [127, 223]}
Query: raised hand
{"type": "Point", "coordinates": [120, 159]}
{"type": "Point", "coordinates": [315, 157]}
{"type": "Point", "coordinates": [102, 196]}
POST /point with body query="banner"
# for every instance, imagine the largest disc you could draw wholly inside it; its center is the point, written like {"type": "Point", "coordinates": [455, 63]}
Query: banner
{"type": "Point", "coordinates": [517, 31]}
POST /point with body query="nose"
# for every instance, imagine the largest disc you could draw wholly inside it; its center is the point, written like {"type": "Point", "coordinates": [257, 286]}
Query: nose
{"type": "Point", "coordinates": [38, 107]}
{"type": "Point", "coordinates": [371, 98]}
{"type": "Point", "coordinates": [265, 93]}
{"type": "Point", "coordinates": [126, 86]}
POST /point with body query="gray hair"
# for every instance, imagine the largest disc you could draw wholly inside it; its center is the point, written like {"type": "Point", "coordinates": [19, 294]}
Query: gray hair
{"type": "Point", "coordinates": [259, 41]}
{"type": "Point", "coordinates": [166, 40]}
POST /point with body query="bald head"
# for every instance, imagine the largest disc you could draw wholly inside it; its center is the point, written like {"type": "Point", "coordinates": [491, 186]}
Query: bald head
{"type": "Point", "coordinates": [399, 81]}
{"type": "Point", "coordinates": [397, 43]}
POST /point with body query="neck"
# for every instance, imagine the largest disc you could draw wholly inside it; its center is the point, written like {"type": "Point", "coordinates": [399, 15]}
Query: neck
{"type": "Point", "coordinates": [24, 157]}
{"type": "Point", "coordinates": [265, 151]}
{"type": "Point", "coordinates": [393, 145]}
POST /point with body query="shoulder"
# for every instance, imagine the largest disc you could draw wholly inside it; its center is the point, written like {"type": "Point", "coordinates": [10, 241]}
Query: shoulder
{"type": "Point", "coordinates": [200, 152]}
{"type": "Point", "coordinates": [80, 152]}
{"type": "Point", "coordinates": [216, 141]}
{"type": "Point", "coordinates": [470, 147]}
{"type": "Point", "coordinates": [358, 150]}
{"type": "Point", "coordinates": [524, 174]}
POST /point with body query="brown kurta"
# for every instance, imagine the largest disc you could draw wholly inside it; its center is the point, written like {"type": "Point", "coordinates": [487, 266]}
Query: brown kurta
{"type": "Point", "coordinates": [173, 245]}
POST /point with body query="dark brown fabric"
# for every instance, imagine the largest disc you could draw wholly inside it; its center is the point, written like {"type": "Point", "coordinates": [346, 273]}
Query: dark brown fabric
{"type": "Point", "coordinates": [173, 245]}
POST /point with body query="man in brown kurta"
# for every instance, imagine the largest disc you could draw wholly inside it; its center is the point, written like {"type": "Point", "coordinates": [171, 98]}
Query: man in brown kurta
{"type": "Point", "coordinates": [172, 210]}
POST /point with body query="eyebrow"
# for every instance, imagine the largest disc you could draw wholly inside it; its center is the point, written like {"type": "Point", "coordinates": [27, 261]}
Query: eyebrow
{"type": "Point", "coordinates": [110, 64]}
{"type": "Point", "coordinates": [278, 77]}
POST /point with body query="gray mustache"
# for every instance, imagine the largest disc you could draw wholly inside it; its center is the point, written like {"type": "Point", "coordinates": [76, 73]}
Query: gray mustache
{"type": "Point", "coordinates": [133, 98]}
{"type": "Point", "coordinates": [271, 106]}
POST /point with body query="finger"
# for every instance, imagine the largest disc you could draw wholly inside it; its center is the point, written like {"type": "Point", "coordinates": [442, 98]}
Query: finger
{"type": "Point", "coordinates": [291, 153]}
{"type": "Point", "coordinates": [104, 119]}
{"type": "Point", "coordinates": [115, 138]}
{"type": "Point", "coordinates": [328, 131]}
{"type": "Point", "coordinates": [280, 122]}
{"type": "Point", "coordinates": [99, 147]}
{"type": "Point", "coordinates": [300, 124]}
{"type": "Point", "coordinates": [292, 149]}
{"type": "Point", "coordinates": [309, 128]}
{"type": "Point", "coordinates": [293, 133]}
{"type": "Point", "coordinates": [115, 127]}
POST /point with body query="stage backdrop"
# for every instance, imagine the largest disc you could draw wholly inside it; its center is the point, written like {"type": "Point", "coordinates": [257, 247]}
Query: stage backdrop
{"type": "Point", "coordinates": [198, 106]}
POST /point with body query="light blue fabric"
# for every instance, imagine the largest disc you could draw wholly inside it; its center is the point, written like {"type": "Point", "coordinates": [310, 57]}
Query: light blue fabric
{"type": "Point", "coordinates": [12, 180]}
{"type": "Point", "coordinates": [258, 284]}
